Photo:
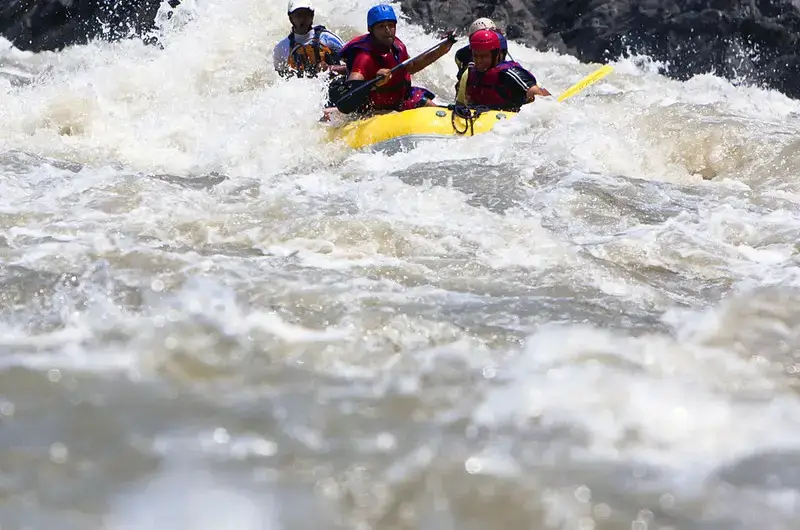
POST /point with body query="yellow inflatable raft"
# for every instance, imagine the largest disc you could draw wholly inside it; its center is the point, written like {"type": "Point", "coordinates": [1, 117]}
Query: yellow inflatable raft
{"type": "Point", "coordinates": [416, 124]}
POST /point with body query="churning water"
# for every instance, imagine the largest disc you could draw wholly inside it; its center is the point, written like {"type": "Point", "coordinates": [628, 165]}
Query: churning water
{"type": "Point", "coordinates": [211, 318]}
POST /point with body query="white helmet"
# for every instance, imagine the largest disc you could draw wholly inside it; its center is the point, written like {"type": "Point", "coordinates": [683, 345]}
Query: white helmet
{"type": "Point", "coordinates": [481, 23]}
{"type": "Point", "coordinates": [294, 5]}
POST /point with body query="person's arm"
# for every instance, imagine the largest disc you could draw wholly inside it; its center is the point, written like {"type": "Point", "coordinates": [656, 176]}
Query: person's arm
{"type": "Point", "coordinates": [280, 55]}
{"type": "Point", "coordinates": [332, 62]}
{"type": "Point", "coordinates": [429, 58]}
{"type": "Point", "coordinates": [534, 91]}
{"type": "Point", "coordinates": [363, 68]}
{"type": "Point", "coordinates": [522, 85]}
{"type": "Point", "coordinates": [332, 41]}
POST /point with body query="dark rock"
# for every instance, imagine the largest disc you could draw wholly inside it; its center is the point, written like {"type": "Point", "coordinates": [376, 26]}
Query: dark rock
{"type": "Point", "coordinates": [757, 41]}
{"type": "Point", "coordinates": [39, 25]}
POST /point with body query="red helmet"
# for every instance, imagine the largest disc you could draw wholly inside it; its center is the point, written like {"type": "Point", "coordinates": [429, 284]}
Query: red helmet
{"type": "Point", "coordinates": [484, 40]}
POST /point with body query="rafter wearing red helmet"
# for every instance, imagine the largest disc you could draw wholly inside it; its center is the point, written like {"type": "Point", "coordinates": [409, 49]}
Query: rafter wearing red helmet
{"type": "Point", "coordinates": [495, 83]}
{"type": "Point", "coordinates": [463, 56]}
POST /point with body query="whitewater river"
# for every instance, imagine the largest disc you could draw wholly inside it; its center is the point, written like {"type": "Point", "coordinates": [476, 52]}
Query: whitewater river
{"type": "Point", "coordinates": [211, 318]}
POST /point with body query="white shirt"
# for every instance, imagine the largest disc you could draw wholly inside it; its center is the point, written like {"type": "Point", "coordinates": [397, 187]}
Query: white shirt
{"type": "Point", "coordinates": [280, 55]}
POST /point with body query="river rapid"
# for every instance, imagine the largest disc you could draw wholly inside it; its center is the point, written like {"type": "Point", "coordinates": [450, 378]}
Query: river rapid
{"type": "Point", "coordinates": [212, 318]}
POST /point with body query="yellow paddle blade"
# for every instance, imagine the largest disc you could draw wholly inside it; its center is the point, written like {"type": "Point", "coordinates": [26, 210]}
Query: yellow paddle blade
{"type": "Point", "coordinates": [597, 75]}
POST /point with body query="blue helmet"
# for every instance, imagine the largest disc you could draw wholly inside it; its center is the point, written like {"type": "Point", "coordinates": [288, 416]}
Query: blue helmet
{"type": "Point", "coordinates": [380, 13]}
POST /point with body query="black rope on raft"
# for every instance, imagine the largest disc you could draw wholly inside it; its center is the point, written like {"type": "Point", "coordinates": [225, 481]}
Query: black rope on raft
{"type": "Point", "coordinates": [468, 113]}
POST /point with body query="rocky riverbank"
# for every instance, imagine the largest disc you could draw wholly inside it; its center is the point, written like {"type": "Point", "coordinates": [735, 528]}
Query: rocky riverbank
{"type": "Point", "coordinates": [39, 25]}
{"type": "Point", "coordinates": [757, 41]}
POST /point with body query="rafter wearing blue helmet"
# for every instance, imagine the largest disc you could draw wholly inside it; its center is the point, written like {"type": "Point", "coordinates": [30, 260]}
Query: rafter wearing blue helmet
{"type": "Point", "coordinates": [380, 13]}
{"type": "Point", "coordinates": [373, 55]}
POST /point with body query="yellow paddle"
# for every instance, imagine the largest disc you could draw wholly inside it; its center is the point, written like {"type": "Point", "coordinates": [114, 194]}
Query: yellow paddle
{"type": "Point", "coordinates": [597, 75]}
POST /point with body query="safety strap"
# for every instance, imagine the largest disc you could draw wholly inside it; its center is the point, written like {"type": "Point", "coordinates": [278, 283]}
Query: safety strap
{"type": "Point", "coordinates": [315, 44]}
{"type": "Point", "coordinates": [468, 113]}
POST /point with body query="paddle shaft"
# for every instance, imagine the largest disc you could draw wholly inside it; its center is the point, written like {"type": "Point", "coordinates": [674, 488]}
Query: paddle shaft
{"type": "Point", "coordinates": [405, 63]}
{"type": "Point", "coordinates": [586, 81]}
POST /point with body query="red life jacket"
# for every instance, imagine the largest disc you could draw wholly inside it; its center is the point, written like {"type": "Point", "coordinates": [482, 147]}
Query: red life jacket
{"type": "Point", "coordinates": [393, 93]}
{"type": "Point", "coordinates": [487, 89]}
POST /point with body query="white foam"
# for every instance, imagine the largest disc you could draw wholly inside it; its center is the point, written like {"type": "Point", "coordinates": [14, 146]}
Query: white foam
{"type": "Point", "coordinates": [648, 398]}
{"type": "Point", "coordinates": [205, 502]}
{"type": "Point", "coordinates": [209, 101]}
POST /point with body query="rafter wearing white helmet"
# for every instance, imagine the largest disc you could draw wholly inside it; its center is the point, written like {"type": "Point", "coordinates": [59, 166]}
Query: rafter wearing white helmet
{"type": "Point", "coordinates": [308, 50]}
{"type": "Point", "coordinates": [294, 5]}
{"type": "Point", "coordinates": [463, 56]}
{"type": "Point", "coordinates": [481, 23]}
